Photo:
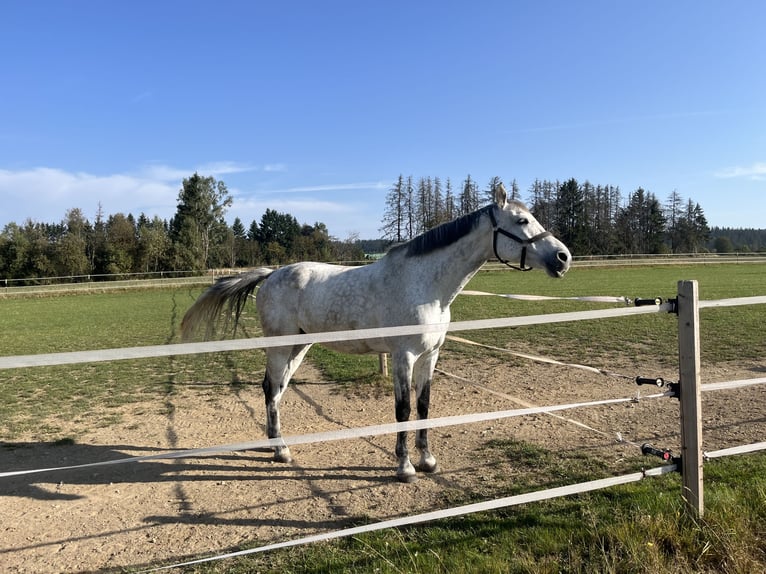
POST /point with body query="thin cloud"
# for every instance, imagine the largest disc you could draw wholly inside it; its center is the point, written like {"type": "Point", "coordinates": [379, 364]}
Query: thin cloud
{"type": "Point", "coordinates": [617, 121]}
{"type": "Point", "coordinates": [138, 98]}
{"type": "Point", "coordinates": [374, 185]}
{"type": "Point", "coordinates": [292, 206]}
{"type": "Point", "coordinates": [164, 172]}
{"type": "Point", "coordinates": [756, 171]}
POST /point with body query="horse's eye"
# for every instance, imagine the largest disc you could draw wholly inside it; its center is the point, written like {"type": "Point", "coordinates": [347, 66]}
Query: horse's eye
{"type": "Point", "coordinates": [523, 221]}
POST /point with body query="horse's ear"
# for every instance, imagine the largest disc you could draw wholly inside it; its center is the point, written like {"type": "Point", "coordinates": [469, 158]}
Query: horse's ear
{"type": "Point", "coordinates": [500, 195]}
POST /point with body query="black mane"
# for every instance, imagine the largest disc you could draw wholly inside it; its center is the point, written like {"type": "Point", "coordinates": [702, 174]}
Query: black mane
{"type": "Point", "coordinates": [443, 235]}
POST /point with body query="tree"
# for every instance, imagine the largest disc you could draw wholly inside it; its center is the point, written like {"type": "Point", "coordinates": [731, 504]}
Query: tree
{"type": "Point", "coordinates": [253, 254]}
{"type": "Point", "coordinates": [97, 244]}
{"type": "Point", "coordinates": [693, 229]}
{"type": "Point", "coordinates": [394, 218]}
{"type": "Point", "coordinates": [450, 209]}
{"type": "Point", "coordinates": [71, 247]}
{"type": "Point", "coordinates": [26, 251]}
{"type": "Point", "coordinates": [153, 244]}
{"type": "Point", "coordinates": [542, 202]}
{"type": "Point", "coordinates": [277, 233]}
{"type": "Point", "coordinates": [239, 245]}
{"type": "Point", "coordinates": [641, 224]}
{"type": "Point", "coordinates": [570, 219]}
{"type": "Point", "coordinates": [312, 243]}
{"type": "Point", "coordinates": [121, 245]}
{"type": "Point", "coordinates": [514, 194]}
{"type": "Point", "coordinates": [723, 244]}
{"type": "Point", "coordinates": [602, 204]}
{"type": "Point", "coordinates": [469, 197]}
{"type": "Point", "coordinates": [202, 203]}
{"type": "Point", "coordinates": [673, 212]}
{"type": "Point", "coordinates": [438, 203]}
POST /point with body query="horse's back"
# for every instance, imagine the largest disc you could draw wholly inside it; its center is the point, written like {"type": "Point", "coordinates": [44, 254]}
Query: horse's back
{"type": "Point", "coordinates": [313, 297]}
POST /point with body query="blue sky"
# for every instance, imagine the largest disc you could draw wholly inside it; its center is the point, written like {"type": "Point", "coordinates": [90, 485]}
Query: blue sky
{"type": "Point", "coordinates": [314, 108]}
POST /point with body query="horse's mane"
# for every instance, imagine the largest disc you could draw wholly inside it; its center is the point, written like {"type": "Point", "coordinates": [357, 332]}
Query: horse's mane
{"type": "Point", "coordinates": [443, 235]}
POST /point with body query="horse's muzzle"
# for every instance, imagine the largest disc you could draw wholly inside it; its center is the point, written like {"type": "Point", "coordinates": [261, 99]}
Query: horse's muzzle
{"type": "Point", "coordinates": [560, 265]}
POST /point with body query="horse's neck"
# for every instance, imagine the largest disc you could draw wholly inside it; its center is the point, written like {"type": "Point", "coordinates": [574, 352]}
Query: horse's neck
{"type": "Point", "coordinates": [448, 269]}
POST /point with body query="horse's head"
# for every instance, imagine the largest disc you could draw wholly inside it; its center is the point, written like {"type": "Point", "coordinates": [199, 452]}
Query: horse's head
{"type": "Point", "coordinates": [519, 238]}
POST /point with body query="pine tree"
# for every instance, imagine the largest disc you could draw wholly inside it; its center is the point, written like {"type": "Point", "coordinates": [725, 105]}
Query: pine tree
{"type": "Point", "coordinates": [570, 217]}
{"type": "Point", "coordinates": [673, 212]}
{"type": "Point", "coordinates": [469, 197]}
{"type": "Point", "coordinates": [450, 209]}
{"type": "Point", "coordinates": [202, 203]}
{"type": "Point", "coordinates": [514, 194]}
{"type": "Point", "coordinates": [438, 203]}
{"type": "Point", "coordinates": [394, 218]}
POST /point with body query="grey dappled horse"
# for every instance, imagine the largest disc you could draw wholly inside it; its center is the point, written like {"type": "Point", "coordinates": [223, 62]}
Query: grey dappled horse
{"type": "Point", "coordinates": [414, 283]}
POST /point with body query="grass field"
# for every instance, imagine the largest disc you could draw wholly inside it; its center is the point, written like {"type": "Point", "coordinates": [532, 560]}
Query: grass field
{"type": "Point", "coordinates": [628, 529]}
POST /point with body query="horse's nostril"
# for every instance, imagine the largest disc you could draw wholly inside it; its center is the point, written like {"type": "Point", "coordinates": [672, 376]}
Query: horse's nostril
{"type": "Point", "coordinates": [563, 256]}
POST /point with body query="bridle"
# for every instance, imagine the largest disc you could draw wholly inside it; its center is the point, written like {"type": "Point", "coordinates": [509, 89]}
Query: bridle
{"type": "Point", "coordinates": [520, 240]}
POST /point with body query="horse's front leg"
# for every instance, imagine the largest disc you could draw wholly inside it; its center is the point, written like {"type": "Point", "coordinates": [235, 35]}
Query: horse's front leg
{"type": "Point", "coordinates": [423, 375]}
{"type": "Point", "coordinates": [402, 374]}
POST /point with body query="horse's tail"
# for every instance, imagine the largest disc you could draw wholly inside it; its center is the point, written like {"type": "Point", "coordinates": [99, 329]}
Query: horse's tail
{"type": "Point", "coordinates": [231, 292]}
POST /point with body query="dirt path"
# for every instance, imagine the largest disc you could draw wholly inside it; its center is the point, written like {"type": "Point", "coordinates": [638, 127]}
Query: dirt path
{"type": "Point", "coordinates": [136, 515]}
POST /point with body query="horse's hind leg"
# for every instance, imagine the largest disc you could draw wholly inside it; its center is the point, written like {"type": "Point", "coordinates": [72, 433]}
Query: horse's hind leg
{"type": "Point", "coordinates": [402, 374]}
{"type": "Point", "coordinates": [422, 377]}
{"type": "Point", "coordinates": [281, 364]}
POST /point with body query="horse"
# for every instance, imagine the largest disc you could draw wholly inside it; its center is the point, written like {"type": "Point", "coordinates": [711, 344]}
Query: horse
{"type": "Point", "coordinates": [414, 283]}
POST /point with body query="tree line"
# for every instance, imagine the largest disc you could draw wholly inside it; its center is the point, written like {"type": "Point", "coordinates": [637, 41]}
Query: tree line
{"type": "Point", "coordinates": [195, 239]}
{"type": "Point", "coordinates": [590, 219]}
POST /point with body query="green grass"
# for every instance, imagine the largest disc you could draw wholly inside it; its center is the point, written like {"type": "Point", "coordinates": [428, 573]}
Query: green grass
{"type": "Point", "coordinates": [637, 528]}
{"type": "Point", "coordinates": [640, 528]}
{"type": "Point", "coordinates": [89, 395]}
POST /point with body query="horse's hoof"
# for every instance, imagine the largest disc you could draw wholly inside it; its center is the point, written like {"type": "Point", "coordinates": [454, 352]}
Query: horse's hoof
{"type": "Point", "coordinates": [283, 456]}
{"type": "Point", "coordinates": [406, 478]}
{"type": "Point", "coordinates": [428, 467]}
{"type": "Point", "coordinates": [406, 472]}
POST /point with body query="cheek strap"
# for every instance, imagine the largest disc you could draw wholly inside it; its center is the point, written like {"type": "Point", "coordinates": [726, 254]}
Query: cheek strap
{"type": "Point", "coordinates": [521, 241]}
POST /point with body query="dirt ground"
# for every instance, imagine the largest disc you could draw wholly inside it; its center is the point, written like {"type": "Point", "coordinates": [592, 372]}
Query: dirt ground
{"type": "Point", "coordinates": [138, 515]}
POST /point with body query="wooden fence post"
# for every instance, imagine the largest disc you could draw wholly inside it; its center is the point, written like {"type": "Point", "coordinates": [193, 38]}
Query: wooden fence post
{"type": "Point", "coordinates": [689, 379]}
{"type": "Point", "coordinates": [383, 364]}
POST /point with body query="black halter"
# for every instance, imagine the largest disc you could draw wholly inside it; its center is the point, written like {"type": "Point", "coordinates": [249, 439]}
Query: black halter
{"type": "Point", "coordinates": [523, 242]}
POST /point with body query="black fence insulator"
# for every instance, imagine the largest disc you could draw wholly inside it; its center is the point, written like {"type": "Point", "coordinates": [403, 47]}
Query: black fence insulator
{"type": "Point", "coordinates": [664, 454]}
{"type": "Point", "coordinates": [673, 306]}
{"type": "Point", "coordinates": [656, 381]}
{"type": "Point", "coordinates": [638, 302]}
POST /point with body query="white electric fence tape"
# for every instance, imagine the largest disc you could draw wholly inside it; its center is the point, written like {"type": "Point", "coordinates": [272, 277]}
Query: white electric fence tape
{"type": "Point", "coordinates": [743, 449]}
{"type": "Point", "coordinates": [71, 358]}
{"type": "Point", "coordinates": [441, 514]}
{"type": "Point", "coordinates": [733, 384]}
{"type": "Point", "coordinates": [539, 359]}
{"type": "Point", "coordinates": [588, 299]}
{"type": "Point", "coordinates": [341, 434]}
{"type": "Point", "coordinates": [308, 339]}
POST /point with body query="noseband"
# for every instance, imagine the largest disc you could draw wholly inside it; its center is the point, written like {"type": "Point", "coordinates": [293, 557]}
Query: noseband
{"type": "Point", "coordinates": [520, 240]}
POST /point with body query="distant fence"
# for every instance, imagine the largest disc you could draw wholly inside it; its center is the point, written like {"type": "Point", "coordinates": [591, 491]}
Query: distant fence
{"type": "Point", "coordinates": [105, 282]}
